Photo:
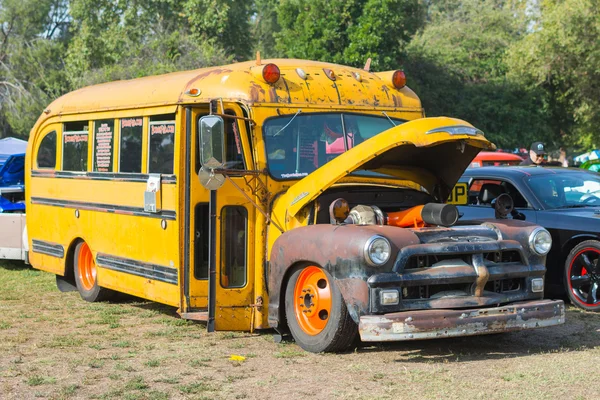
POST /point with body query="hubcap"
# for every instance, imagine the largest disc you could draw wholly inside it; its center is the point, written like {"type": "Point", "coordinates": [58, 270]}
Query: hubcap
{"type": "Point", "coordinates": [86, 267]}
{"type": "Point", "coordinates": [584, 274]}
{"type": "Point", "coordinates": [312, 300]}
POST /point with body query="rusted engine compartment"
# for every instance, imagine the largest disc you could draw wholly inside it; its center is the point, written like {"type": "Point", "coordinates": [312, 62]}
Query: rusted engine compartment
{"type": "Point", "coordinates": [393, 200]}
{"type": "Point", "coordinates": [388, 199]}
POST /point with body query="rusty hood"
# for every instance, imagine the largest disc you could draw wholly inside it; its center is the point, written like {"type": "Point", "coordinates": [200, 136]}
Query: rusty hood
{"type": "Point", "coordinates": [432, 152]}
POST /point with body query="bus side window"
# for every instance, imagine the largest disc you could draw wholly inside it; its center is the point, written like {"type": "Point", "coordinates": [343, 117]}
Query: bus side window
{"type": "Point", "coordinates": [234, 228]}
{"type": "Point", "coordinates": [46, 154]}
{"type": "Point", "coordinates": [201, 241]}
{"type": "Point", "coordinates": [104, 141]}
{"type": "Point", "coordinates": [161, 154]}
{"type": "Point", "coordinates": [130, 155]}
{"type": "Point", "coordinates": [75, 146]}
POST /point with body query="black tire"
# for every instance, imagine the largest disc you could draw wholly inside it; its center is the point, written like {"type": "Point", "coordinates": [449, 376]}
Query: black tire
{"type": "Point", "coordinates": [340, 331]}
{"type": "Point", "coordinates": [95, 292]}
{"type": "Point", "coordinates": [582, 275]}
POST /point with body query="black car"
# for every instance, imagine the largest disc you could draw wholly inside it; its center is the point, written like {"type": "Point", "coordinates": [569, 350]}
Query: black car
{"type": "Point", "coordinates": [564, 201]}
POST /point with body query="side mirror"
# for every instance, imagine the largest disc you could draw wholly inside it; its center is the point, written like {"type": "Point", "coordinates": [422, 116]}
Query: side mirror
{"type": "Point", "coordinates": [503, 205]}
{"type": "Point", "coordinates": [211, 139]}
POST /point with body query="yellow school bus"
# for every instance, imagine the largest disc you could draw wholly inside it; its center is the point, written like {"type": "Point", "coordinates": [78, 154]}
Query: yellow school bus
{"type": "Point", "coordinates": [301, 196]}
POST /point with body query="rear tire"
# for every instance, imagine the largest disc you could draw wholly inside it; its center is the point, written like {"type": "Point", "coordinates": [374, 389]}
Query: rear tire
{"type": "Point", "coordinates": [84, 269]}
{"type": "Point", "coordinates": [582, 275]}
{"type": "Point", "coordinates": [316, 312]}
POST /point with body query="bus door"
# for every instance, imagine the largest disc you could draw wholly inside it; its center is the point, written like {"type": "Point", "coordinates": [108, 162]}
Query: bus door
{"type": "Point", "coordinates": [233, 232]}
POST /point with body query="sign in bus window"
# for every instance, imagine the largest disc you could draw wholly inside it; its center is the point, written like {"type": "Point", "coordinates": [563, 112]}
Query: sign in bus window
{"type": "Point", "coordinates": [75, 146]}
{"type": "Point", "coordinates": [130, 156]}
{"type": "Point", "coordinates": [103, 142]}
{"type": "Point", "coordinates": [162, 146]}
{"type": "Point", "coordinates": [234, 228]}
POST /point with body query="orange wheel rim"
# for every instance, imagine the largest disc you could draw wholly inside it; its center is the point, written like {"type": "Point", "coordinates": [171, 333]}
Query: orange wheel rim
{"type": "Point", "coordinates": [312, 300]}
{"type": "Point", "coordinates": [86, 267]}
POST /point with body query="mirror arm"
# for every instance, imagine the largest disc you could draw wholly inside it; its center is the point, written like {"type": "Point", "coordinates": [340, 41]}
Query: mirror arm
{"type": "Point", "coordinates": [238, 172]}
{"type": "Point", "coordinates": [235, 117]}
{"type": "Point", "coordinates": [269, 220]}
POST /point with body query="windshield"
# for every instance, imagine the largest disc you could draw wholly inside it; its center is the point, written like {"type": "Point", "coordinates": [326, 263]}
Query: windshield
{"type": "Point", "coordinates": [566, 190]}
{"type": "Point", "coordinates": [299, 144]}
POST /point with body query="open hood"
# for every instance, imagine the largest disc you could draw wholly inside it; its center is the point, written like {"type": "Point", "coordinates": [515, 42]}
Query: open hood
{"type": "Point", "coordinates": [432, 152]}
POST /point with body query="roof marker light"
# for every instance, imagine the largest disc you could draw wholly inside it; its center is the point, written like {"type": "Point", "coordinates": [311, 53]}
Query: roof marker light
{"type": "Point", "coordinates": [330, 74]}
{"type": "Point", "coordinates": [194, 92]}
{"type": "Point", "coordinates": [357, 76]}
{"type": "Point", "coordinates": [271, 73]}
{"type": "Point", "coordinates": [301, 73]}
{"type": "Point", "coordinates": [399, 79]}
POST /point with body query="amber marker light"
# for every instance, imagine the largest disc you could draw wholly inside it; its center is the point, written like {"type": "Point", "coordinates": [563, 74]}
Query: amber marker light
{"type": "Point", "coordinates": [194, 92]}
{"type": "Point", "coordinates": [399, 79]}
{"type": "Point", "coordinates": [271, 73]}
{"type": "Point", "coordinates": [330, 74]}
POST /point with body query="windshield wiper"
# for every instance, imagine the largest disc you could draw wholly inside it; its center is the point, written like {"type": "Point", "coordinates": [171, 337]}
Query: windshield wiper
{"type": "Point", "coordinates": [387, 116]}
{"type": "Point", "coordinates": [577, 206]}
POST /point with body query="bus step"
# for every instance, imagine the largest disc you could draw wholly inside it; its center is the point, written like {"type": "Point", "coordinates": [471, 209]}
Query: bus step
{"type": "Point", "coordinates": [195, 316]}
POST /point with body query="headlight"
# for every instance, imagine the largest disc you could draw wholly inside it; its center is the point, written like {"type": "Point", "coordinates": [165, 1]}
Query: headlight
{"type": "Point", "coordinates": [377, 250]}
{"type": "Point", "coordinates": [540, 241]}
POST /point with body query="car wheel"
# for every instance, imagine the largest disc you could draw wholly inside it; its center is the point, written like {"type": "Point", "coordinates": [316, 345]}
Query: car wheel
{"type": "Point", "coordinates": [85, 275]}
{"type": "Point", "coordinates": [316, 312]}
{"type": "Point", "coordinates": [582, 275]}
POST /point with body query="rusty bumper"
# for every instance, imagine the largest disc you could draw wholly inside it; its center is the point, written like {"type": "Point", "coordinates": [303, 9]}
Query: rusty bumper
{"type": "Point", "coordinates": [431, 324]}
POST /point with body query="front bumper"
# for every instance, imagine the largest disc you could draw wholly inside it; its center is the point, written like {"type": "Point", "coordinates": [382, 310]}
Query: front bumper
{"type": "Point", "coordinates": [440, 323]}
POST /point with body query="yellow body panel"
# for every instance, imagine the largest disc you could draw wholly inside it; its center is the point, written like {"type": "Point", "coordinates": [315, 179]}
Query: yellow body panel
{"type": "Point", "coordinates": [107, 211]}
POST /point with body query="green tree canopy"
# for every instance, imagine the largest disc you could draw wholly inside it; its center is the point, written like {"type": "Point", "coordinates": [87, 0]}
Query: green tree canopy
{"type": "Point", "coordinates": [348, 31]}
{"type": "Point", "coordinates": [561, 58]}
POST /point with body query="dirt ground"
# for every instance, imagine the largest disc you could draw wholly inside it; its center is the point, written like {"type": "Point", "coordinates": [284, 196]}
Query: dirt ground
{"type": "Point", "coordinates": [56, 346]}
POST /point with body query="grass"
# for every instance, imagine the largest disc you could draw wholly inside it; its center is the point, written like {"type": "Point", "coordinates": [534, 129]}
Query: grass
{"type": "Point", "coordinates": [55, 346]}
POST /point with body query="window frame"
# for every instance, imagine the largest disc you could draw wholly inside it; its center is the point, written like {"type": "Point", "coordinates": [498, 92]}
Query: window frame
{"type": "Point", "coordinates": [37, 151]}
{"type": "Point", "coordinates": [112, 149]}
{"type": "Point", "coordinates": [149, 144]}
{"type": "Point", "coordinates": [225, 239]}
{"type": "Point", "coordinates": [141, 169]}
{"type": "Point", "coordinates": [69, 133]}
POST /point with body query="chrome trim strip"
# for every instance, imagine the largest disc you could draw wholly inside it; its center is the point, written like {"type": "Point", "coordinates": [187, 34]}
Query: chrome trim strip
{"type": "Point", "coordinates": [109, 208]}
{"type": "Point", "coordinates": [48, 248]}
{"type": "Point", "coordinates": [138, 268]}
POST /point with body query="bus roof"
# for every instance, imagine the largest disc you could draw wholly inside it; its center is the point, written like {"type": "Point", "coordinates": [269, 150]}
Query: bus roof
{"type": "Point", "coordinates": [243, 82]}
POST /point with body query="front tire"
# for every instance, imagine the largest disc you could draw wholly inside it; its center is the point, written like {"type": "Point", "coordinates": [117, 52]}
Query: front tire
{"type": "Point", "coordinates": [582, 275]}
{"type": "Point", "coordinates": [316, 312]}
{"type": "Point", "coordinates": [85, 275]}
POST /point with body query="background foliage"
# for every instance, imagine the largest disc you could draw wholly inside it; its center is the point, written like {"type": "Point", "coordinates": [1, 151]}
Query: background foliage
{"type": "Point", "coordinates": [521, 70]}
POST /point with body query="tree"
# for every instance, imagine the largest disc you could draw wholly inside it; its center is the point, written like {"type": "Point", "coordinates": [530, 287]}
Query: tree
{"type": "Point", "coordinates": [132, 38]}
{"type": "Point", "coordinates": [265, 26]}
{"type": "Point", "coordinates": [457, 65]}
{"type": "Point", "coordinates": [32, 38]}
{"type": "Point", "coordinates": [560, 58]}
{"type": "Point", "coordinates": [222, 23]}
{"type": "Point", "coordinates": [348, 31]}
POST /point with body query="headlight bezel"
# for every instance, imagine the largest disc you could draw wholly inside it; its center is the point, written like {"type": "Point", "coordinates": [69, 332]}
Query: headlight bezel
{"type": "Point", "coordinates": [532, 239]}
{"type": "Point", "coordinates": [367, 250]}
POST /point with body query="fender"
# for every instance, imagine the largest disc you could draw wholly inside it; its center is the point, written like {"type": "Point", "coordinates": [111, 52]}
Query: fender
{"type": "Point", "coordinates": [339, 249]}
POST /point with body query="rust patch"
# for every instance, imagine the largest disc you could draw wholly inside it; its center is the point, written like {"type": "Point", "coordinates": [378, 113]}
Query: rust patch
{"type": "Point", "coordinates": [397, 100]}
{"type": "Point", "coordinates": [257, 93]}
{"type": "Point", "coordinates": [429, 324]}
{"type": "Point", "coordinates": [356, 294]}
{"type": "Point", "coordinates": [386, 91]}
{"type": "Point", "coordinates": [216, 71]}
{"type": "Point", "coordinates": [273, 97]}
